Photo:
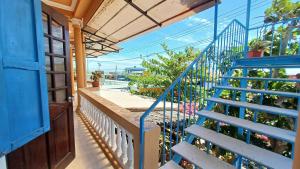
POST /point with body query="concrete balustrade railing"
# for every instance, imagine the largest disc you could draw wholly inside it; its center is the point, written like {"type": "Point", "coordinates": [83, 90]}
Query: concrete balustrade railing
{"type": "Point", "coordinates": [118, 128]}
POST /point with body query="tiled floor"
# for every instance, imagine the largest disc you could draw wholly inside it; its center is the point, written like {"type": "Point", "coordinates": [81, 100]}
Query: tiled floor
{"type": "Point", "coordinates": [88, 154]}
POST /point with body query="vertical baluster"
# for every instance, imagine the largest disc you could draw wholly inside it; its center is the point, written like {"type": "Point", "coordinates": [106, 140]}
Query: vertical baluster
{"type": "Point", "coordinates": [124, 146]}
{"type": "Point", "coordinates": [217, 62]}
{"type": "Point", "coordinates": [164, 135]}
{"type": "Point", "coordinates": [200, 84]}
{"type": "Point", "coordinates": [213, 65]}
{"type": "Point", "coordinates": [220, 43]}
{"type": "Point", "coordinates": [106, 129]}
{"type": "Point", "coordinates": [109, 131]}
{"type": "Point", "coordinates": [209, 67]}
{"type": "Point", "coordinates": [178, 107]}
{"type": "Point", "coordinates": [100, 123]}
{"type": "Point", "coordinates": [272, 40]}
{"type": "Point", "coordinates": [171, 122]}
{"type": "Point", "coordinates": [130, 150]}
{"type": "Point", "coordinates": [93, 116]}
{"type": "Point", "coordinates": [204, 79]}
{"type": "Point", "coordinates": [184, 106]}
{"type": "Point", "coordinates": [191, 94]}
{"type": "Point", "coordinates": [103, 126]}
{"type": "Point", "coordinates": [113, 136]}
{"type": "Point", "coordinates": [96, 120]}
{"type": "Point", "coordinates": [119, 141]}
{"type": "Point", "coordinates": [281, 36]}
{"type": "Point", "coordinates": [195, 90]}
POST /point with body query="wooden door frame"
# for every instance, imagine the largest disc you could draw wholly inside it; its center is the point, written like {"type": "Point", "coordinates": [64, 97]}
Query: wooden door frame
{"type": "Point", "coordinates": [71, 155]}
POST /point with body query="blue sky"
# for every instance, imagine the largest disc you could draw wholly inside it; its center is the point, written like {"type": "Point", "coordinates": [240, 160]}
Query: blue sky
{"type": "Point", "coordinates": [195, 31]}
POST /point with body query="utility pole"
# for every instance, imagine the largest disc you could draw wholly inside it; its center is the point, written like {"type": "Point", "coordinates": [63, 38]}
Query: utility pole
{"type": "Point", "coordinates": [116, 72]}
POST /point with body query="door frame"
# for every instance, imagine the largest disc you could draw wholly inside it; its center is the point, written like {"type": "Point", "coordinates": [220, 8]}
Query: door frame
{"type": "Point", "coordinates": [71, 155]}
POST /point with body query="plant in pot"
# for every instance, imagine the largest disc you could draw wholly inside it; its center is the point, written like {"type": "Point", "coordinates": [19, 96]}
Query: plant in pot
{"type": "Point", "coordinates": [257, 48]}
{"type": "Point", "coordinates": [95, 78]}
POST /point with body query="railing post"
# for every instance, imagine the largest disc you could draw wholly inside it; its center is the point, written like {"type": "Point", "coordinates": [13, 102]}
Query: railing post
{"type": "Point", "coordinates": [243, 82]}
{"type": "Point", "coordinates": [296, 161]}
{"type": "Point", "coordinates": [216, 19]}
{"type": "Point", "coordinates": [151, 147]}
{"type": "Point", "coordinates": [247, 27]}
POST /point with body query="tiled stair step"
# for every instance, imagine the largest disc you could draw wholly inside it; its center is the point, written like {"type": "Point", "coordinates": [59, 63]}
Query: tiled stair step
{"type": "Point", "coordinates": [263, 108]}
{"type": "Point", "coordinates": [170, 165]}
{"type": "Point", "coordinates": [252, 152]}
{"type": "Point", "coordinates": [271, 92]}
{"type": "Point", "coordinates": [274, 132]}
{"type": "Point", "coordinates": [265, 66]}
{"type": "Point", "coordinates": [263, 79]}
{"type": "Point", "coordinates": [199, 158]}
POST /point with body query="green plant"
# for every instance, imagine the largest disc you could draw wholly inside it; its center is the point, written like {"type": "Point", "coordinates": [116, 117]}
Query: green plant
{"type": "Point", "coordinates": [259, 45]}
{"type": "Point", "coordinates": [96, 75]}
{"type": "Point", "coordinates": [162, 70]}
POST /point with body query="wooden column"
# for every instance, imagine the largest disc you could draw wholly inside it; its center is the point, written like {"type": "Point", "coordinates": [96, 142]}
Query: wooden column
{"type": "Point", "coordinates": [78, 53]}
{"type": "Point", "coordinates": [84, 61]}
{"type": "Point", "coordinates": [296, 162]}
{"type": "Point", "coordinates": [72, 71]}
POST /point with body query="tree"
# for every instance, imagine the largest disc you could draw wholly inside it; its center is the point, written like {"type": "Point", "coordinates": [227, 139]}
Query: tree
{"type": "Point", "coordinates": [282, 10]}
{"type": "Point", "coordinates": [162, 70]}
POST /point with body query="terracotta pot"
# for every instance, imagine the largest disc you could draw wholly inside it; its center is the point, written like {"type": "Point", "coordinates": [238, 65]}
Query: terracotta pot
{"type": "Point", "coordinates": [255, 54]}
{"type": "Point", "coordinates": [95, 83]}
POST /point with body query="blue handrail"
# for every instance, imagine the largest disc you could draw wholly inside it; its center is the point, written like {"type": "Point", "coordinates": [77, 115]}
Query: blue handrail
{"type": "Point", "coordinates": [201, 75]}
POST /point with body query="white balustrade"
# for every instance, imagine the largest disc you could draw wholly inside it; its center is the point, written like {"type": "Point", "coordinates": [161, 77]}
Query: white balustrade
{"type": "Point", "coordinates": [115, 136]}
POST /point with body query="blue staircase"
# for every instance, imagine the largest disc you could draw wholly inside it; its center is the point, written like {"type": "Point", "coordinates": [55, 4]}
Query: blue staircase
{"type": "Point", "coordinates": [206, 112]}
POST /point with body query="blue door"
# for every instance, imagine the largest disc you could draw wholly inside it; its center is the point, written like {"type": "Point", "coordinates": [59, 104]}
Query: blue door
{"type": "Point", "coordinates": [24, 112]}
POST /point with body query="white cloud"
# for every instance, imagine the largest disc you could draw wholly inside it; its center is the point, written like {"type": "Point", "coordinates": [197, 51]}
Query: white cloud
{"type": "Point", "coordinates": [196, 20]}
{"type": "Point", "coordinates": [184, 39]}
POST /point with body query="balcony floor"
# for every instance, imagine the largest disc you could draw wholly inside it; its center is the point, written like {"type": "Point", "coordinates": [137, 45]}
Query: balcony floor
{"type": "Point", "coordinates": [88, 154]}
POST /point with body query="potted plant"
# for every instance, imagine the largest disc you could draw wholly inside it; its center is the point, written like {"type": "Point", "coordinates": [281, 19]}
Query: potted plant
{"type": "Point", "coordinates": [95, 78]}
{"type": "Point", "coordinates": [257, 48]}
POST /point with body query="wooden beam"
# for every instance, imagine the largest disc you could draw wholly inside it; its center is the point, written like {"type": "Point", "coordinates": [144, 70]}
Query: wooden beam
{"type": "Point", "coordinates": [86, 9]}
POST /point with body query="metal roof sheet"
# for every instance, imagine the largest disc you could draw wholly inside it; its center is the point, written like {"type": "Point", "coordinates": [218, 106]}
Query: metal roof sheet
{"type": "Point", "coordinates": [118, 20]}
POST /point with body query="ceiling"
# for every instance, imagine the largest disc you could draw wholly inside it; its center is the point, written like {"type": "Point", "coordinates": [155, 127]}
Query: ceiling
{"type": "Point", "coordinates": [112, 21]}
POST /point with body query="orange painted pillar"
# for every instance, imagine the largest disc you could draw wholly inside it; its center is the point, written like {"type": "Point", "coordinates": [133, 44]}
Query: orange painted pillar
{"type": "Point", "coordinates": [296, 162]}
{"type": "Point", "coordinates": [78, 53]}
{"type": "Point", "coordinates": [84, 62]}
{"type": "Point", "coordinates": [72, 71]}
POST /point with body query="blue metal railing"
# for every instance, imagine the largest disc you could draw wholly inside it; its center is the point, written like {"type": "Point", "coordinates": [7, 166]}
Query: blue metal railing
{"type": "Point", "coordinates": [187, 94]}
{"type": "Point", "coordinates": [279, 38]}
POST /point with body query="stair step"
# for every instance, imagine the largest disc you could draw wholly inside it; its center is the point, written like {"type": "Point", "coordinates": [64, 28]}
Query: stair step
{"type": "Point", "coordinates": [170, 165]}
{"type": "Point", "coordinates": [278, 133]}
{"type": "Point", "coordinates": [199, 158]}
{"type": "Point", "coordinates": [252, 152]}
{"type": "Point", "coordinates": [263, 79]}
{"type": "Point", "coordinates": [271, 92]}
{"type": "Point", "coordinates": [265, 66]}
{"type": "Point", "coordinates": [263, 108]}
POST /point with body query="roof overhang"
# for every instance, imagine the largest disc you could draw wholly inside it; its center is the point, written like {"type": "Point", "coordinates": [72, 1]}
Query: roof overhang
{"type": "Point", "coordinates": [112, 21]}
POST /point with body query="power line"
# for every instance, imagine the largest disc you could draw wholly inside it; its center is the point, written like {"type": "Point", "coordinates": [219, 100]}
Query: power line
{"type": "Point", "coordinates": [203, 26]}
{"type": "Point", "coordinates": [181, 34]}
{"type": "Point", "coordinates": [176, 48]}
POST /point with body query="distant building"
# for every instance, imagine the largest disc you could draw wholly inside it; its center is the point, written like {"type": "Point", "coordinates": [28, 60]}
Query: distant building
{"type": "Point", "coordinates": [297, 76]}
{"type": "Point", "coordinates": [134, 71]}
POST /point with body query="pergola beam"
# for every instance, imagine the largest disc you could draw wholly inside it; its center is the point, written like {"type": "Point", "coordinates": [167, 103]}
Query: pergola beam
{"type": "Point", "coordinates": [145, 13]}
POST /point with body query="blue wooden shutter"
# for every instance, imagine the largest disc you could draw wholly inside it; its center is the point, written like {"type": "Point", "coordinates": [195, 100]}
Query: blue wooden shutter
{"type": "Point", "coordinates": [24, 113]}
